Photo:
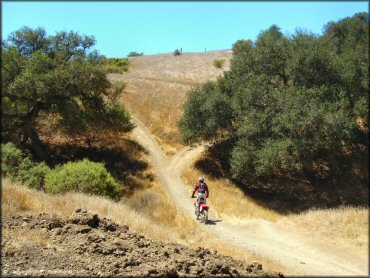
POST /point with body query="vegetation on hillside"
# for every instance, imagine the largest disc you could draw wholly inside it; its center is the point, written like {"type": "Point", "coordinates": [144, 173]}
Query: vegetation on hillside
{"type": "Point", "coordinates": [114, 65]}
{"type": "Point", "coordinates": [80, 176]}
{"type": "Point", "coordinates": [290, 106]}
{"type": "Point", "coordinates": [218, 63]}
{"type": "Point", "coordinates": [19, 167]}
{"type": "Point", "coordinates": [135, 54]}
{"type": "Point", "coordinates": [176, 52]}
{"type": "Point", "coordinates": [55, 78]}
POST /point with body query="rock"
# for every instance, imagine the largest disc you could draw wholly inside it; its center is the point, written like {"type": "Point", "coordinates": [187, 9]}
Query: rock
{"type": "Point", "coordinates": [83, 230]}
{"type": "Point", "coordinates": [196, 270]}
{"type": "Point", "coordinates": [257, 265]}
{"type": "Point", "coordinates": [85, 218]}
{"type": "Point", "coordinates": [171, 273]}
{"type": "Point", "coordinates": [152, 271]}
{"type": "Point", "coordinates": [55, 223]}
{"type": "Point", "coordinates": [166, 254]}
{"type": "Point", "coordinates": [225, 269]}
{"type": "Point", "coordinates": [57, 231]}
{"type": "Point", "coordinates": [108, 225]}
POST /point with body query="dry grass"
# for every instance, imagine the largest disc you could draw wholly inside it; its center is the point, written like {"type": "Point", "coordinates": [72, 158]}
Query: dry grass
{"type": "Point", "coordinates": [157, 86]}
{"type": "Point", "coordinates": [19, 199]}
{"type": "Point", "coordinates": [24, 237]}
{"type": "Point", "coordinates": [227, 200]}
{"type": "Point", "coordinates": [345, 227]}
{"type": "Point", "coordinates": [162, 224]}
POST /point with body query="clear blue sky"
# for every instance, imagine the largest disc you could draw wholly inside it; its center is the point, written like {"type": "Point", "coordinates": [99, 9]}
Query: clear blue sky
{"type": "Point", "coordinates": [161, 27]}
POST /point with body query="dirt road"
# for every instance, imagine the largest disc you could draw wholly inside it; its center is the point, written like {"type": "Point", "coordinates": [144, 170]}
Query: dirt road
{"type": "Point", "coordinates": [259, 236]}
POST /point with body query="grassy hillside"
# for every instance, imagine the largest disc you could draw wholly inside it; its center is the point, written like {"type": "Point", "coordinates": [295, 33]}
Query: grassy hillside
{"type": "Point", "coordinates": [146, 212]}
{"type": "Point", "coordinates": [157, 86]}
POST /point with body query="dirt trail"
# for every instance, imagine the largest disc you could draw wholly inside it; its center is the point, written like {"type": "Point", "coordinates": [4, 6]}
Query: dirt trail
{"type": "Point", "coordinates": [259, 236]}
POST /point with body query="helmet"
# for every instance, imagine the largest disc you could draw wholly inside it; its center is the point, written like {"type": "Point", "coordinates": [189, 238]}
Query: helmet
{"type": "Point", "coordinates": [201, 179]}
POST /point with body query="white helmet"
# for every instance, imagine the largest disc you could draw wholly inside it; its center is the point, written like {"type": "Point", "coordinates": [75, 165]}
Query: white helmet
{"type": "Point", "coordinates": [201, 179]}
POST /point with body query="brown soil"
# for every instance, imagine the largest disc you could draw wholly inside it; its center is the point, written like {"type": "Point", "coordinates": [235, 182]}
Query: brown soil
{"type": "Point", "coordinates": [85, 245]}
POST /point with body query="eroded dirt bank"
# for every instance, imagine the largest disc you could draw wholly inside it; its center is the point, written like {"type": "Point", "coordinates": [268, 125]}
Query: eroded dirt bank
{"type": "Point", "coordinates": [85, 245]}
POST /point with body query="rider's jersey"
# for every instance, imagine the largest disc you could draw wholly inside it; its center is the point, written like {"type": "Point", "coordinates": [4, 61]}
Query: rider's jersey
{"type": "Point", "coordinates": [201, 188]}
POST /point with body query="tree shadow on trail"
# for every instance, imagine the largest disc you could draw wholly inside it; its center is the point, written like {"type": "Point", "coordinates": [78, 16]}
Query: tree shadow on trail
{"type": "Point", "coordinates": [287, 195]}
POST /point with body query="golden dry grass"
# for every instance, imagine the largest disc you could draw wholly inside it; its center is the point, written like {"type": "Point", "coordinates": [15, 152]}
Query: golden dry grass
{"type": "Point", "coordinates": [23, 237]}
{"type": "Point", "coordinates": [346, 227]}
{"type": "Point", "coordinates": [157, 86]}
{"type": "Point", "coordinates": [227, 200]}
{"type": "Point", "coordinates": [162, 224]}
{"type": "Point", "coordinates": [18, 198]}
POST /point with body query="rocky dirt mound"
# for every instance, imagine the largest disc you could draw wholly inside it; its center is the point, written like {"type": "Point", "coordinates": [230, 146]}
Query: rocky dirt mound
{"type": "Point", "coordinates": [85, 245]}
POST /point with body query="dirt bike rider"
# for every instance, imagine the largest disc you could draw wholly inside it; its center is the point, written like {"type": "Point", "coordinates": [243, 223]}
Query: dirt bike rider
{"type": "Point", "coordinates": [203, 191]}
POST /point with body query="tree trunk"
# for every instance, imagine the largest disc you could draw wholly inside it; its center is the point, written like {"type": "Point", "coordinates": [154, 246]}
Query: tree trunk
{"type": "Point", "coordinates": [36, 144]}
{"type": "Point", "coordinates": [307, 163]}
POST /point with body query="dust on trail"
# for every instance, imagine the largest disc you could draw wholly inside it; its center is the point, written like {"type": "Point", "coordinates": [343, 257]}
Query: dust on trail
{"type": "Point", "coordinates": [259, 236]}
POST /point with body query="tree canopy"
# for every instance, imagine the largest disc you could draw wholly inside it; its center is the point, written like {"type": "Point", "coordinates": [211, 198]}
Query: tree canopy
{"type": "Point", "coordinates": [55, 75]}
{"type": "Point", "coordinates": [288, 104]}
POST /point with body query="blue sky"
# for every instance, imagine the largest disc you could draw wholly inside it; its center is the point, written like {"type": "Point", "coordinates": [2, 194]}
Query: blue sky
{"type": "Point", "coordinates": [161, 27]}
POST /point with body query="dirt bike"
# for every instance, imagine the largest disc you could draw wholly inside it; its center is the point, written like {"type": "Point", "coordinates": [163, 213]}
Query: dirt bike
{"type": "Point", "coordinates": [201, 211]}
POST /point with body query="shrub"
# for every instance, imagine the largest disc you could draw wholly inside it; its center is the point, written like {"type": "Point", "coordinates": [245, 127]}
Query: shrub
{"type": "Point", "coordinates": [176, 52]}
{"type": "Point", "coordinates": [115, 65]}
{"type": "Point", "coordinates": [134, 54]}
{"type": "Point", "coordinates": [19, 167]}
{"type": "Point", "coordinates": [11, 158]}
{"type": "Point", "coordinates": [218, 63]}
{"type": "Point", "coordinates": [33, 174]}
{"type": "Point", "coordinates": [82, 176]}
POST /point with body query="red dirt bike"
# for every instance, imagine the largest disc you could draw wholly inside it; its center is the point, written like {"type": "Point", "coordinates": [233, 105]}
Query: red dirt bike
{"type": "Point", "coordinates": [202, 211]}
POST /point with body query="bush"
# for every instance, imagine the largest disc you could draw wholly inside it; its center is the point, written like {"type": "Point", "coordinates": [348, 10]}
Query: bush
{"type": "Point", "coordinates": [115, 65]}
{"type": "Point", "coordinates": [218, 63]}
{"type": "Point", "coordinates": [135, 54]}
{"type": "Point", "coordinates": [11, 158]}
{"type": "Point", "coordinates": [19, 167]}
{"type": "Point", "coordinates": [32, 174]}
{"type": "Point", "coordinates": [82, 176]}
{"type": "Point", "coordinates": [176, 52]}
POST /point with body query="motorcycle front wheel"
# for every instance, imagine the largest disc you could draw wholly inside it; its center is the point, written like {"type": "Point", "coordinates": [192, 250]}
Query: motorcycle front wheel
{"type": "Point", "coordinates": [197, 213]}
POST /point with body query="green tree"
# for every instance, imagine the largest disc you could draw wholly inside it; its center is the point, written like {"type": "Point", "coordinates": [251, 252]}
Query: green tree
{"type": "Point", "coordinates": [55, 75]}
{"type": "Point", "coordinates": [288, 103]}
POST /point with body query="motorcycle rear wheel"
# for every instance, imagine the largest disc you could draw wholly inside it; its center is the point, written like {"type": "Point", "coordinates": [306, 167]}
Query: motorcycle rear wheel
{"type": "Point", "coordinates": [203, 217]}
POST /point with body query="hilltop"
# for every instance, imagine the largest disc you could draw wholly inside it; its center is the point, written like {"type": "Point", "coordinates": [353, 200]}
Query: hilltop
{"type": "Point", "coordinates": [157, 86]}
